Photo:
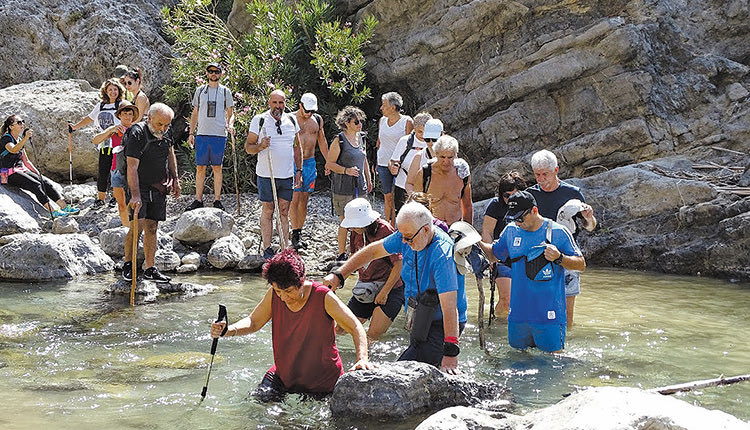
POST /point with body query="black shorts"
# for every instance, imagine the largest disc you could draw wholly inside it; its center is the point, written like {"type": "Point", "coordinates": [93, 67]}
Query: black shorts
{"type": "Point", "coordinates": [154, 205]}
{"type": "Point", "coordinates": [391, 308]}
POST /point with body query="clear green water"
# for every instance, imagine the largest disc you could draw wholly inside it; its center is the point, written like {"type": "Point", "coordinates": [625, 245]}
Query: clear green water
{"type": "Point", "coordinates": [72, 357]}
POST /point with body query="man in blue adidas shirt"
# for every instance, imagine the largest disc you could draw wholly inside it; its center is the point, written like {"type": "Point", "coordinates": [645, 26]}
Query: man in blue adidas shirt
{"type": "Point", "coordinates": [540, 251]}
{"type": "Point", "coordinates": [428, 263]}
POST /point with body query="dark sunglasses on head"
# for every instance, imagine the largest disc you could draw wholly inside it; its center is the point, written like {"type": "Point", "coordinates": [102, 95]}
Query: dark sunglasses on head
{"type": "Point", "coordinates": [309, 111]}
{"type": "Point", "coordinates": [129, 82]}
{"type": "Point", "coordinates": [20, 121]}
{"type": "Point", "coordinates": [430, 140]}
{"type": "Point", "coordinates": [278, 126]}
{"type": "Point", "coordinates": [214, 71]}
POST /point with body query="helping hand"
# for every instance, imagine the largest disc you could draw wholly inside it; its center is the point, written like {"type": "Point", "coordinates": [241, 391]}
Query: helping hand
{"type": "Point", "coordinates": [363, 364]}
{"type": "Point", "coordinates": [331, 281]}
{"type": "Point", "coordinates": [449, 365]}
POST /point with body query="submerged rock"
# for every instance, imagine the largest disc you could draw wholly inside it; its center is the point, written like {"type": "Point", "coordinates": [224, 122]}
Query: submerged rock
{"type": "Point", "coordinates": [404, 388]}
{"type": "Point", "coordinates": [603, 408]}
{"type": "Point", "coordinates": [182, 360]}
{"type": "Point", "coordinates": [41, 257]}
{"type": "Point", "coordinates": [149, 291]}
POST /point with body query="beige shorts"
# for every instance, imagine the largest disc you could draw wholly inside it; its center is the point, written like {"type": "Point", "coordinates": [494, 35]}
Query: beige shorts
{"type": "Point", "coordinates": [339, 201]}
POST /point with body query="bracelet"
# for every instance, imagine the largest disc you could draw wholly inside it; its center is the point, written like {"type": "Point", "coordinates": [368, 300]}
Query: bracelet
{"type": "Point", "coordinates": [451, 339]}
{"type": "Point", "coordinates": [451, 349]}
{"type": "Point", "coordinates": [299, 170]}
{"type": "Point", "coordinates": [340, 276]}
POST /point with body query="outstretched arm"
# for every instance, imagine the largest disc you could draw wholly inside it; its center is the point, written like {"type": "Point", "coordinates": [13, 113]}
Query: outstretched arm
{"type": "Point", "coordinates": [346, 320]}
{"type": "Point", "coordinates": [251, 323]}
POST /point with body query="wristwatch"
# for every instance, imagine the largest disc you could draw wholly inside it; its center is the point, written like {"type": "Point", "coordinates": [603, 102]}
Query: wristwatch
{"type": "Point", "coordinates": [299, 170]}
{"type": "Point", "coordinates": [559, 259]}
{"type": "Point", "coordinates": [340, 276]}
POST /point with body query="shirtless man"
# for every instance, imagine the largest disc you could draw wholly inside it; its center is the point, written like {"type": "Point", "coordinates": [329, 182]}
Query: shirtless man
{"type": "Point", "coordinates": [448, 182]}
{"type": "Point", "coordinates": [311, 133]}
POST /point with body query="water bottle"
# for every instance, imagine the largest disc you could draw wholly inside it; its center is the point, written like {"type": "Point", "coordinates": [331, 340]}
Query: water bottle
{"type": "Point", "coordinates": [4, 175]}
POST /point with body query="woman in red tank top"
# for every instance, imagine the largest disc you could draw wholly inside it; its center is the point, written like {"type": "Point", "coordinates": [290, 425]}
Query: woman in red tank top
{"type": "Point", "coordinates": [302, 315]}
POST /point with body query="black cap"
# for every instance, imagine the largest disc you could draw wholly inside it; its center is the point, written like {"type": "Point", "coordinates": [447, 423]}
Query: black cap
{"type": "Point", "coordinates": [518, 203]}
{"type": "Point", "coordinates": [216, 65]}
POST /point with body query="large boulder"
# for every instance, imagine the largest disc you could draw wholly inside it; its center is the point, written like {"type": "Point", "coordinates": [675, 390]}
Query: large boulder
{"type": "Point", "coordinates": [226, 252]}
{"type": "Point", "coordinates": [404, 388]}
{"type": "Point", "coordinates": [604, 408]}
{"type": "Point", "coordinates": [203, 225]}
{"type": "Point", "coordinates": [42, 257]}
{"type": "Point", "coordinates": [59, 39]}
{"type": "Point", "coordinates": [15, 213]}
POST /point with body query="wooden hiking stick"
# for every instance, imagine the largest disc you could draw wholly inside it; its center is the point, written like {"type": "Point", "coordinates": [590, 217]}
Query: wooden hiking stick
{"type": "Point", "coordinates": [134, 235]}
{"type": "Point", "coordinates": [236, 181]}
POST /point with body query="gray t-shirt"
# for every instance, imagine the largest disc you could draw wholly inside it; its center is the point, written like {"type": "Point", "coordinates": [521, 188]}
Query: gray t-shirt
{"type": "Point", "coordinates": [212, 120]}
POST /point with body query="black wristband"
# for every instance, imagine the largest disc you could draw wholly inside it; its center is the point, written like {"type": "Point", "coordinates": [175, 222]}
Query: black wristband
{"type": "Point", "coordinates": [559, 259]}
{"type": "Point", "coordinates": [451, 349]}
{"type": "Point", "coordinates": [340, 276]}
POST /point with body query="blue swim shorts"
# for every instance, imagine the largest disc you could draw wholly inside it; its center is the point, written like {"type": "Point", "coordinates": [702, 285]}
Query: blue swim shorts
{"type": "Point", "coordinates": [283, 189]}
{"type": "Point", "coordinates": [209, 150]}
{"type": "Point", "coordinates": [572, 283]}
{"type": "Point", "coordinates": [547, 337]}
{"type": "Point", "coordinates": [386, 179]}
{"type": "Point", "coordinates": [309, 173]}
{"type": "Point", "coordinates": [118, 180]}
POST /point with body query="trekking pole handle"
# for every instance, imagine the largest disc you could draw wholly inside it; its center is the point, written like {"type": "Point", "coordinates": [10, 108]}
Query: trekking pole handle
{"type": "Point", "coordinates": [222, 316]}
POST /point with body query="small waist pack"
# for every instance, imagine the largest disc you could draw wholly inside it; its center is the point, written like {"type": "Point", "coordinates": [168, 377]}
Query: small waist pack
{"type": "Point", "coordinates": [537, 267]}
{"type": "Point", "coordinates": [365, 292]}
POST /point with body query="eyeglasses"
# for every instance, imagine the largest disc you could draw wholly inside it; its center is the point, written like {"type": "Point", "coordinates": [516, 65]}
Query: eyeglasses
{"type": "Point", "coordinates": [520, 218]}
{"type": "Point", "coordinates": [278, 126]}
{"type": "Point", "coordinates": [214, 72]}
{"type": "Point", "coordinates": [309, 111]}
{"type": "Point", "coordinates": [20, 121]}
{"type": "Point", "coordinates": [430, 140]}
{"type": "Point", "coordinates": [411, 239]}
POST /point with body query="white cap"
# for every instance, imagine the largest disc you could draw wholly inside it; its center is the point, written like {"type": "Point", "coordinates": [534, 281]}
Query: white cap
{"type": "Point", "coordinates": [464, 236]}
{"type": "Point", "coordinates": [433, 129]}
{"type": "Point", "coordinates": [309, 101]}
{"type": "Point", "coordinates": [358, 214]}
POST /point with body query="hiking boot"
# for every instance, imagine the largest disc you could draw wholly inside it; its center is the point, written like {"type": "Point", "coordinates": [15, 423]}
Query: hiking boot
{"type": "Point", "coordinates": [127, 271]}
{"type": "Point", "coordinates": [195, 205]}
{"type": "Point", "coordinates": [297, 242]}
{"type": "Point", "coordinates": [71, 210]}
{"type": "Point", "coordinates": [97, 204]}
{"type": "Point", "coordinates": [342, 257]}
{"type": "Point", "coordinates": [59, 213]}
{"type": "Point", "coordinates": [218, 205]}
{"type": "Point", "coordinates": [112, 202]}
{"type": "Point", "coordinates": [268, 253]}
{"type": "Point", "coordinates": [153, 274]}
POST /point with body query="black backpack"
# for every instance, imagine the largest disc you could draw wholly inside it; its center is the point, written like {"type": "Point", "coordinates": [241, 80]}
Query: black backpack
{"type": "Point", "coordinates": [409, 146]}
{"type": "Point", "coordinates": [427, 176]}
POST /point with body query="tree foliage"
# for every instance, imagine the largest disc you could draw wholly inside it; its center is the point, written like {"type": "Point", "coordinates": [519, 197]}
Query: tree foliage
{"type": "Point", "coordinates": [298, 47]}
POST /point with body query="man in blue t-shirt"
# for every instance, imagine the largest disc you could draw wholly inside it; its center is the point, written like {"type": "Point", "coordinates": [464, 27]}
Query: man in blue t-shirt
{"type": "Point", "coordinates": [538, 250]}
{"type": "Point", "coordinates": [428, 264]}
{"type": "Point", "coordinates": [551, 194]}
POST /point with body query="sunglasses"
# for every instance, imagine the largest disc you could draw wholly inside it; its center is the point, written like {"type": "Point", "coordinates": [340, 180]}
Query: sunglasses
{"type": "Point", "coordinates": [20, 121]}
{"type": "Point", "coordinates": [129, 83]}
{"type": "Point", "coordinates": [411, 239]}
{"type": "Point", "coordinates": [278, 127]}
{"type": "Point", "coordinates": [309, 111]}
{"type": "Point", "coordinates": [430, 140]}
{"type": "Point", "coordinates": [356, 121]}
{"type": "Point", "coordinates": [520, 218]}
{"type": "Point", "coordinates": [214, 72]}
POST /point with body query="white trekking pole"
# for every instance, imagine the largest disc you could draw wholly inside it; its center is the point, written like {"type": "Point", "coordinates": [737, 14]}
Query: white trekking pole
{"type": "Point", "coordinates": [280, 229]}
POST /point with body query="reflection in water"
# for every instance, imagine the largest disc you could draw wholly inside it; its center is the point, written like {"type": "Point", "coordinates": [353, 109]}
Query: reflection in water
{"type": "Point", "coordinates": [81, 359]}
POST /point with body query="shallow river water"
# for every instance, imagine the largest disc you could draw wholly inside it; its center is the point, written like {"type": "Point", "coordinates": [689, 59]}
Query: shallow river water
{"type": "Point", "coordinates": [72, 357]}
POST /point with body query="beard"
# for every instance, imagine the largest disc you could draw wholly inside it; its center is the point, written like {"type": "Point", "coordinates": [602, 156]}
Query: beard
{"type": "Point", "coordinates": [159, 135]}
{"type": "Point", "coordinates": [276, 112]}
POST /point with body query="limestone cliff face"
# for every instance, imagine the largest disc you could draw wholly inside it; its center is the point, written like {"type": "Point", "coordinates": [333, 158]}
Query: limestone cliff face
{"type": "Point", "coordinates": [602, 83]}
{"type": "Point", "coordinates": [62, 39]}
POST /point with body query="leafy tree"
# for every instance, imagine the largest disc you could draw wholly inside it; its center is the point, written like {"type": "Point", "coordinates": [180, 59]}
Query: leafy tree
{"type": "Point", "coordinates": [297, 47]}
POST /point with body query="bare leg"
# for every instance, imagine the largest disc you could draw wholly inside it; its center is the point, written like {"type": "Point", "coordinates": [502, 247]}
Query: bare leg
{"type": "Point", "coordinates": [503, 297]}
{"type": "Point", "coordinates": [284, 215]}
{"type": "Point", "coordinates": [389, 209]}
{"type": "Point", "coordinates": [298, 212]}
{"type": "Point", "coordinates": [341, 237]}
{"type": "Point", "coordinates": [266, 223]}
{"type": "Point", "coordinates": [200, 179]}
{"type": "Point", "coordinates": [218, 178]}
{"type": "Point", "coordinates": [149, 241]}
{"type": "Point", "coordinates": [129, 241]}
{"type": "Point", "coordinates": [570, 304]}
{"type": "Point", "coordinates": [378, 324]}
{"type": "Point", "coordinates": [101, 195]}
{"type": "Point", "coordinates": [122, 206]}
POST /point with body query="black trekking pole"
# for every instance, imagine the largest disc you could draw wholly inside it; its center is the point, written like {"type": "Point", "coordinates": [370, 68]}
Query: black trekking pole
{"type": "Point", "coordinates": [222, 316]}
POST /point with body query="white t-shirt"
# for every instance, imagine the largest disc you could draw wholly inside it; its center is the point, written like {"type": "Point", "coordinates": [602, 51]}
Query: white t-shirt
{"type": "Point", "coordinates": [281, 147]}
{"type": "Point", "coordinates": [400, 148]}
{"type": "Point", "coordinates": [215, 125]}
{"type": "Point", "coordinates": [104, 117]}
{"type": "Point", "coordinates": [389, 136]}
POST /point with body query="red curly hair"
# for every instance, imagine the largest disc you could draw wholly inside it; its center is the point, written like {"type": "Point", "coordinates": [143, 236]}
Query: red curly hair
{"type": "Point", "coordinates": [285, 269]}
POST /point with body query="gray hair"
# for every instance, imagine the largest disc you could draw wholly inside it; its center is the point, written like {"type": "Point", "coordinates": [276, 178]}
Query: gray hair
{"type": "Point", "coordinates": [394, 99]}
{"type": "Point", "coordinates": [414, 212]}
{"type": "Point", "coordinates": [347, 114]}
{"type": "Point", "coordinates": [444, 143]}
{"type": "Point", "coordinates": [544, 160]}
{"type": "Point", "coordinates": [421, 119]}
{"type": "Point", "coordinates": [161, 109]}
